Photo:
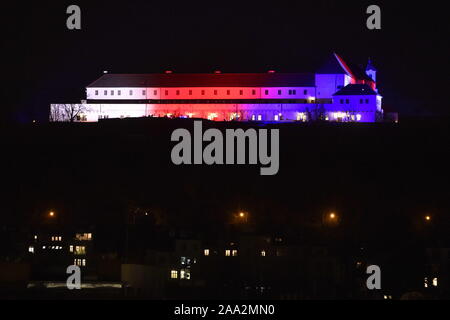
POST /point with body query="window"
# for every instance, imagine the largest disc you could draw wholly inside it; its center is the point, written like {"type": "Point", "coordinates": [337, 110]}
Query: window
{"type": "Point", "coordinates": [70, 248]}
{"type": "Point", "coordinates": [253, 117]}
{"type": "Point", "coordinates": [185, 274]}
{"type": "Point", "coordinates": [263, 253]}
{"type": "Point", "coordinates": [342, 101]}
{"type": "Point", "coordinates": [228, 92]}
{"type": "Point", "coordinates": [203, 92]}
{"type": "Point", "coordinates": [96, 92]}
{"type": "Point", "coordinates": [131, 92]}
{"type": "Point", "coordinates": [105, 92]}
{"type": "Point", "coordinates": [167, 92]}
{"type": "Point", "coordinates": [305, 92]}
{"type": "Point", "coordinates": [81, 250]}
{"type": "Point", "coordinates": [276, 117]}
{"type": "Point", "coordinates": [361, 101]}
{"type": "Point", "coordinates": [155, 92]}
{"type": "Point", "coordinates": [253, 92]}
{"type": "Point", "coordinates": [206, 252]}
{"type": "Point", "coordinates": [190, 92]}
{"type": "Point", "coordinates": [174, 274]}
{"type": "Point", "coordinates": [83, 236]}
{"type": "Point", "coordinates": [119, 92]}
{"type": "Point", "coordinates": [241, 92]}
{"type": "Point", "coordinates": [178, 92]}
{"type": "Point", "coordinates": [234, 253]}
{"type": "Point", "coordinates": [227, 253]}
{"type": "Point", "coordinates": [290, 92]}
{"type": "Point", "coordinates": [294, 92]}
{"type": "Point", "coordinates": [267, 92]}
{"type": "Point", "coordinates": [347, 101]}
{"type": "Point", "coordinates": [215, 92]}
{"type": "Point", "coordinates": [259, 117]}
{"type": "Point", "coordinates": [83, 262]}
{"type": "Point", "coordinates": [143, 92]}
{"type": "Point", "coordinates": [435, 282]}
{"type": "Point", "coordinates": [279, 92]}
{"type": "Point", "coordinates": [112, 92]}
{"type": "Point", "coordinates": [31, 249]}
{"type": "Point", "coordinates": [367, 101]}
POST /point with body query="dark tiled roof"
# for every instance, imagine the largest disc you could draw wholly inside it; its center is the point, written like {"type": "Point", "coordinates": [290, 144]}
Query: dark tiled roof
{"type": "Point", "coordinates": [333, 66]}
{"type": "Point", "coordinates": [356, 90]}
{"type": "Point", "coordinates": [206, 80]}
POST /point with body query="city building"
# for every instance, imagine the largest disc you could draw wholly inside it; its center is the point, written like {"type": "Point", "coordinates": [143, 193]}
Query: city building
{"type": "Point", "coordinates": [336, 92]}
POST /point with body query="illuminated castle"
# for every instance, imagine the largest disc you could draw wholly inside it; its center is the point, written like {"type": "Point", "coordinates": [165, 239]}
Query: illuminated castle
{"type": "Point", "coordinates": [336, 92]}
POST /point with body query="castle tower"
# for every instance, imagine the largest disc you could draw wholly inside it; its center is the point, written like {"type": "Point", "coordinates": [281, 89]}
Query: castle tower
{"type": "Point", "coordinates": [371, 71]}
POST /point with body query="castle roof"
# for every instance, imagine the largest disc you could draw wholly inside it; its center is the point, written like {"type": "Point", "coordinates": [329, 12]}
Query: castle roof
{"type": "Point", "coordinates": [205, 80]}
{"type": "Point", "coordinates": [356, 90]}
{"type": "Point", "coordinates": [337, 65]}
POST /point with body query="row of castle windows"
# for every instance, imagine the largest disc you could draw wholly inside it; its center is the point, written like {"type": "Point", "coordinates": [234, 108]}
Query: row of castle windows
{"type": "Point", "coordinates": [361, 101]}
{"type": "Point", "coordinates": [241, 92]}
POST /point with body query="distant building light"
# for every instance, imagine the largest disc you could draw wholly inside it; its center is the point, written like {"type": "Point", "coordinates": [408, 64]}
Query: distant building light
{"type": "Point", "coordinates": [168, 71]}
{"type": "Point", "coordinates": [227, 253]}
{"type": "Point", "coordinates": [206, 252]}
{"type": "Point", "coordinates": [234, 253]}
{"type": "Point", "coordinates": [217, 72]}
{"type": "Point", "coordinates": [105, 71]}
{"type": "Point", "coordinates": [435, 282]}
{"type": "Point", "coordinates": [31, 249]}
{"type": "Point", "coordinates": [263, 253]}
{"type": "Point", "coordinates": [35, 237]}
{"type": "Point", "coordinates": [425, 282]}
{"type": "Point", "coordinates": [174, 274]}
{"type": "Point", "coordinates": [271, 71]}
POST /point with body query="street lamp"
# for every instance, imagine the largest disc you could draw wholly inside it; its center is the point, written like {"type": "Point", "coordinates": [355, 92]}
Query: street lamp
{"type": "Point", "coordinates": [51, 214]}
{"type": "Point", "coordinates": [427, 218]}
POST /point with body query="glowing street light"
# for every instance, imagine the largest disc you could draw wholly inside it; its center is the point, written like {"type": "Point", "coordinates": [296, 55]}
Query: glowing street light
{"type": "Point", "coordinates": [332, 216]}
{"type": "Point", "coordinates": [51, 214]}
{"type": "Point", "coordinates": [241, 215]}
{"type": "Point", "coordinates": [428, 218]}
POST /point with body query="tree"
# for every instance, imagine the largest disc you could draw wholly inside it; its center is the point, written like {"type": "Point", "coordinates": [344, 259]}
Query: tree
{"type": "Point", "coordinates": [67, 112]}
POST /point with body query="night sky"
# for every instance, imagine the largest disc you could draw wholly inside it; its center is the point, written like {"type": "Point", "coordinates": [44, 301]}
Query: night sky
{"type": "Point", "coordinates": [44, 62]}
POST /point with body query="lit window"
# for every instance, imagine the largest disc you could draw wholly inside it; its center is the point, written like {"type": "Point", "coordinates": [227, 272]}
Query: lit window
{"type": "Point", "coordinates": [234, 253]}
{"type": "Point", "coordinates": [206, 252]}
{"type": "Point", "coordinates": [358, 117]}
{"type": "Point", "coordinates": [174, 274]}
{"type": "Point", "coordinates": [35, 237]}
{"type": "Point", "coordinates": [80, 250]}
{"type": "Point", "coordinates": [83, 263]}
{"type": "Point", "coordinates": [263, 253]}
{"type": "Point", "coordinates": [276, 117]}
{"type": "Point", "coordinates": [259, 117]}
{"type": "Point", "coordinates": [435, 282]}
{"type": "Point", "coordinates": [31, 249]}
{"type": "Point", "coordinates": [43, 247]}
{"type": "Point", "coordinates": [71, 248]}
{"type": "Point", "coordinates": [227, 253]}
{"type": "Point", "coordinates": [425, 282]}
{"type": "Point", "coordinates": [185, 274]}
{"type": "Point", "coordinates": [59, 238]}
{"type": "Point", "coordinates": [253, 117]}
